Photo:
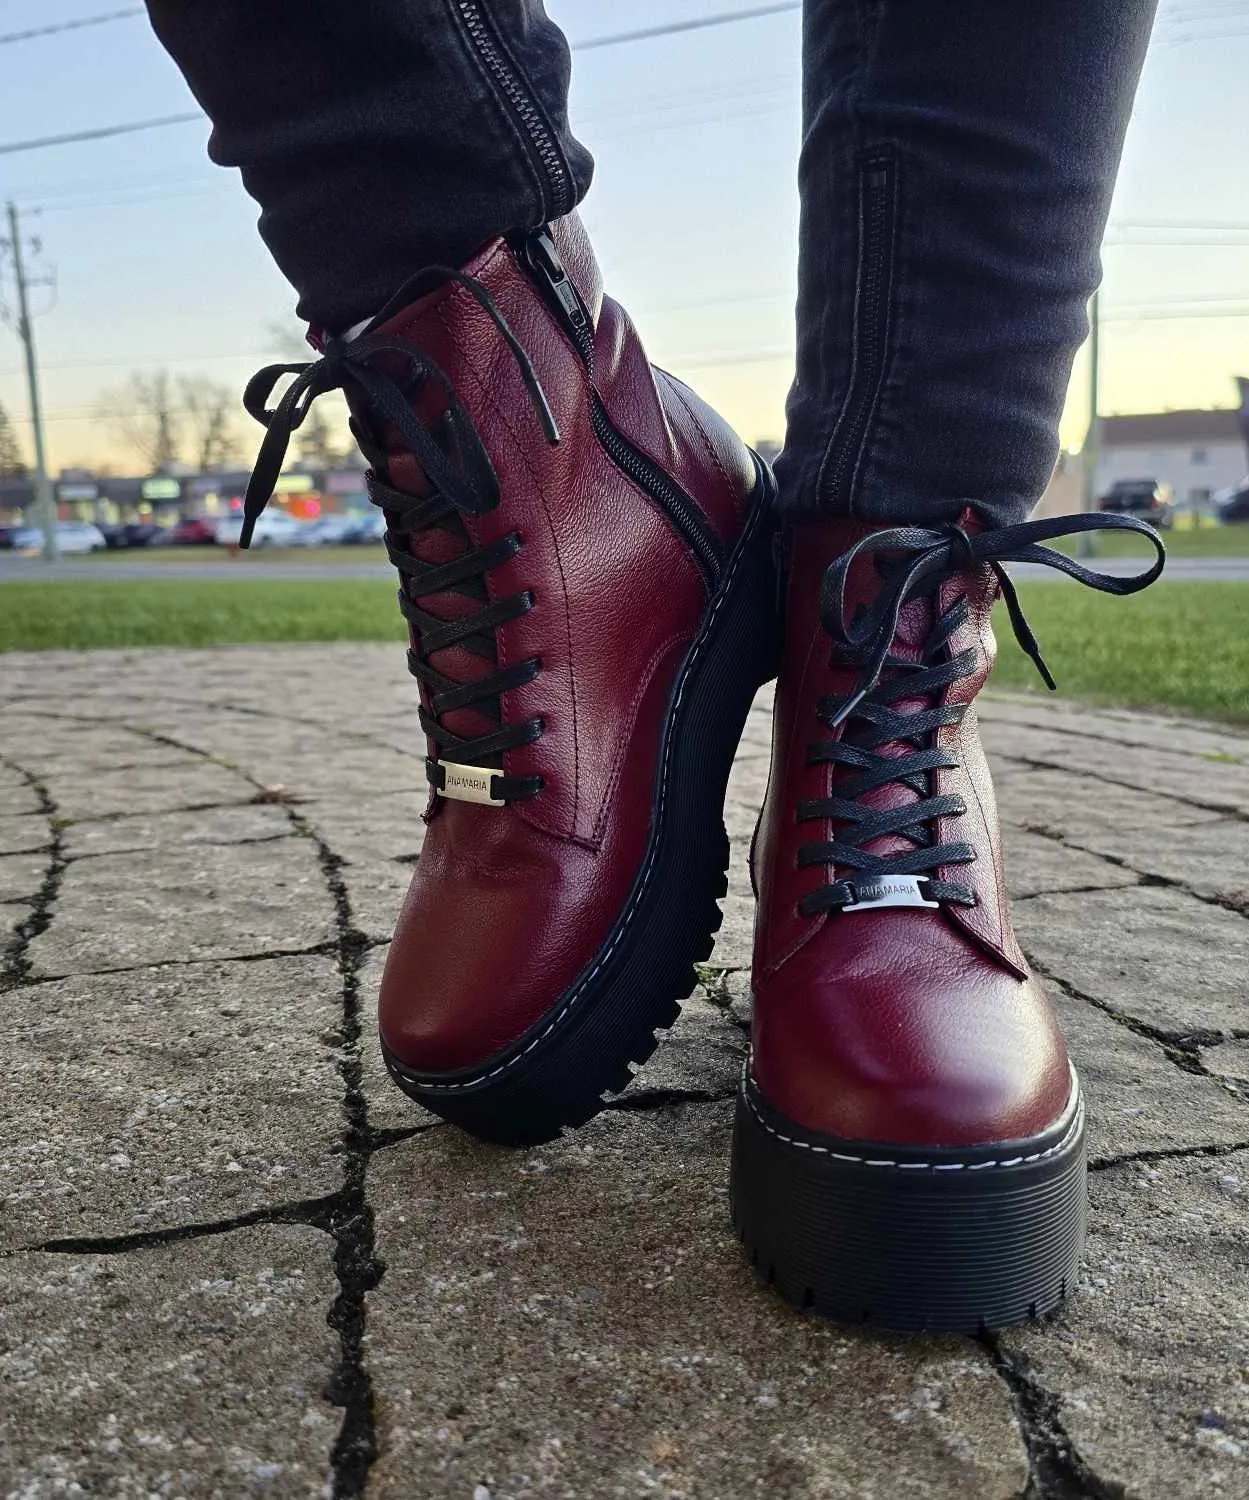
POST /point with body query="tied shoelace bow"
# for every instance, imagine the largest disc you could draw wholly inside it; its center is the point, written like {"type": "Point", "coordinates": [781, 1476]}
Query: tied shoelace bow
{"type": "Point", "coordinates": [461, 483]}
{"type": "Point", "coordinates": [917, 560]}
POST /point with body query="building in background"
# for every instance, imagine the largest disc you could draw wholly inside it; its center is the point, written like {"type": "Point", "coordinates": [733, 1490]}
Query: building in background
{"type": "Point", "coordinates": [1195, 452]}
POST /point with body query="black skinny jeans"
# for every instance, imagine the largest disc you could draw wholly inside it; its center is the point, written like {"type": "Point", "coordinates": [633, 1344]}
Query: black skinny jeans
{"type": "Point", "coordinates": [956, 171]}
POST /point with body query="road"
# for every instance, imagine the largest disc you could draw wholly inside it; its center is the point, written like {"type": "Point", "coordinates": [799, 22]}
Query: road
{"type": "Point", "coordinates": [1179, 569]}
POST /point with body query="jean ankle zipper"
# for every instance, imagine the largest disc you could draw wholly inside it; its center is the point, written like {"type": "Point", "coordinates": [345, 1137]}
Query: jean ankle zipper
{"type": "Point", "coordinates": [540, 257]}
{"type": "Point", "coordinates": [528, 113]}
{"type": "Point", "coordinates": [843, 460]}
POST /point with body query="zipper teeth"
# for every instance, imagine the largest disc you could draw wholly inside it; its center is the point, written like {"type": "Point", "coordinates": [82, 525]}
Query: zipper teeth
{"type": "Point", "coordinates": [862, 398]}
{"type": "Point", "coordinates": [670, 499]}
{"type": "Point", "coordinates": [527, 112]}
{"type": "Point", "coordinates": [681, 511]}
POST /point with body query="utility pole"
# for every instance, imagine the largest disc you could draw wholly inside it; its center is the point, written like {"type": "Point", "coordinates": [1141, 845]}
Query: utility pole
{"type": "Point", "coordinates": [44, 505]}
{"type": "Point", "coordinates": [1093, 435]}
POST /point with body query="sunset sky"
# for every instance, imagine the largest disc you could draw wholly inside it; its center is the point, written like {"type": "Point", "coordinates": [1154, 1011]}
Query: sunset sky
{"type": "Point", "coordinates": [694, 213]}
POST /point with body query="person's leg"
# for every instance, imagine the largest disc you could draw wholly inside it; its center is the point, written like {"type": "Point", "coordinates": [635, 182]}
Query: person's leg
{"type": "Point", "coordinates": [909, 1139]}
{"type": "Point", "coordinates": [379, 138]}
{"type": "Point", "coordinates": [956, 173]}
{"type": "Point", "coordinates": [582, 544]}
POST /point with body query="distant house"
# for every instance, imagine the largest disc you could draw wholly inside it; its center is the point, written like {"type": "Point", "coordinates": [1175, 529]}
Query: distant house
{"type": "Point", "coordinates": [1195, 452]}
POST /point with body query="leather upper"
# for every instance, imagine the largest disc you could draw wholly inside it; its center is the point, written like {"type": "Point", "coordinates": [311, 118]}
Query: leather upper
{"type": "Point", "coordinates": [508, 904]}
{"type": "Point", "coordinates": [902, 1025]}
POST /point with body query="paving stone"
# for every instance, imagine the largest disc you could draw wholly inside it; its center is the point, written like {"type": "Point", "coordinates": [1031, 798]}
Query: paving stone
{"type": "Point", "coordinates": [311, 760]}
{"type": "Point", "coordinates": [1002, 714]}
{"type": "Point", "coordinates": [191, 903]}
{"type": "Point", "coordinates": [195, 1370]}
{"type": "Point", "coordinates": [21, 876]}
{"type": "Point", "coordinates": [17, 797]}
{"type": "Point", "coordinates": [1160, 956]}
{"type": "Point", "coordinates": [1067, 806]}
{"type": "Point", "coordinates": [11, 918]}
{"type": "Point", "coordinates": [1149, 1361]}
{"type": "Point", "coordinates": [363, 834]}
{"type": "Point", "coordinates": [378, 845]}
{"type": "Point", "coordinates": [1210, 858]}
{"type": "Point", "coordinates": [736, 937]}
{"type": "Point", "coordinates": [245, 823]}
{"type": "Point", "coordinates": [1229, 1061]}
{"type": "Point", "coordinates": [1035, 865]}
{"type": "Point", "coordinates": [160, 788]}
{"type": "Point", "coordinates": [577, 1321]}
{"type": "Point", "coordinates": [53, 745]}
{"type": "Point", "coordinates": [1138, 1100]}
{"type": "Point", "coordinates": [143, 1100]}
{"type": "Point", "coordinates": [18, 834]}
{"type": "Point", "coordinates": [702, 1054]}
{"type": "Point", "coordinates": [1217, 784]}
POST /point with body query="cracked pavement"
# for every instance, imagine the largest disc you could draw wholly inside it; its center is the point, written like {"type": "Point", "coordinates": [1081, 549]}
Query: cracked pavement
{"type": "Point", "coordinates": [234, 1261]}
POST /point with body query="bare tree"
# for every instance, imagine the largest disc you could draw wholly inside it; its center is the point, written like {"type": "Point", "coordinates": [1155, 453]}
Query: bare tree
{"type": "Point", "coordinates": [144, 412]}
{"type": "Point", "coordinates": [12, 465]}
{"type": "Point", "coordinates": [209, 410]}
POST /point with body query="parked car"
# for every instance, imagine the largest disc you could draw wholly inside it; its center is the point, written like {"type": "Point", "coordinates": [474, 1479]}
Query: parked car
{"type": "Point", "coordinates": [193, 531]}
{"type": "Point", "coordinates": [1233, 504]}
{"type": "Point", "coordinates": [368, 528]}
{"type": "Point", "coordinates": [274, 529]}
{"type": "Point", "coordinates": [72, 538]}
{"type": "Point", "coordinates": [1146, 498]}
{"type": "Point", "coordinates": [328, 531]}
{"type": "Point", "coordinates": [131, 534]}
{"type": "Point", "coordinates": [8, 537]}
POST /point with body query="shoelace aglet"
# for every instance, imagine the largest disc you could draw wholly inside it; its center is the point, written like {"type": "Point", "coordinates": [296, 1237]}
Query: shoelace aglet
{"type": "Point", "coordinates": [847, 708]}
{"type": "Point", "coordinates": [245, 535]}
{"type": "Point", "coordinates": [547, 417]}
{"type": "Point", "coordinates": [1047, 677]}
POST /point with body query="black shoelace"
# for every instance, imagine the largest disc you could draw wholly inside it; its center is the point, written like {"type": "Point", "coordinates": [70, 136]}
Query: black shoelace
{"type": "Point", "coordinates": [916, 561]}
{"type": "Point", "coordinates": [461, 483]}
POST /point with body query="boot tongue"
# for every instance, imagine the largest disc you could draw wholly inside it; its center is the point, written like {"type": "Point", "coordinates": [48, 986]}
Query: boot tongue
{"type": "Point", "coordinates": [914, 626]}
{"type": "Point", "coordinates": [447, 540]}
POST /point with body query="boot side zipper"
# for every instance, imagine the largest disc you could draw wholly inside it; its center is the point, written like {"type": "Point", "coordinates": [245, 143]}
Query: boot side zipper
{"type": "Point", "coordinates": [540, 257]}
{"type": "Point", "coordinates": [840, 470]}
{"type": "Point", "coordinates": [526, 111]}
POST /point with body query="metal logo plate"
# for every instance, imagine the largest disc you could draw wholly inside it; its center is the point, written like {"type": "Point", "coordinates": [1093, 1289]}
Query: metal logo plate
{"type": "Point", "coordinates": [889, 890]}
{"type": "Point", "coordinates": [469, 784]}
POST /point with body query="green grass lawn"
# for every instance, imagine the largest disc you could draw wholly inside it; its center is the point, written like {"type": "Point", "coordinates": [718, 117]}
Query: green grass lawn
{"type": "Point", "coordinates": [1180, 645]}
{"type": "Point", "coordinates": [1181, 541]}
{"type": "Point", "coordinates": [156, 557]}
{"type": "Point", "coordinates": [177, 612]}
{"type": "Point", "coordinates": [1177, 645]}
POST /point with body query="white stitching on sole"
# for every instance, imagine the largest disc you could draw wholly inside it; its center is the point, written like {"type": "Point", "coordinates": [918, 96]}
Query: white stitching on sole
{"type": "Point", "coordinates": [1077, 1123]}
{"type": "Point", "coordinates": [699, 646]}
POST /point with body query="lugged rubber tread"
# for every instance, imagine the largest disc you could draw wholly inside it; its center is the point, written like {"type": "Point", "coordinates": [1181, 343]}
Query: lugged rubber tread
{"type": "Point", "coordinates": [948, 1240]}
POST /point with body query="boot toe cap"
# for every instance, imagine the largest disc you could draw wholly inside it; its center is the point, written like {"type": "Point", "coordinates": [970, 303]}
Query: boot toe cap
{"type": "Point", "coordinates": [951, 1053]}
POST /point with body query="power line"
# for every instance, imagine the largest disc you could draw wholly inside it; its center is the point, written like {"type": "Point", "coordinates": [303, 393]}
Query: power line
{"type": "Point", "coordinates": [99, 134]}
{"type": "Point", "coordinates": [59, 26]}
{"type": "Point", "coordinates": [591, 43]}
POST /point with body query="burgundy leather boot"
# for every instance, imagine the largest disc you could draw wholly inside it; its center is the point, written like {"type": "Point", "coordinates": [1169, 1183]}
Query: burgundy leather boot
{"type": "Point", "coordinates": [909, 1140]}
{"type": "Point", "coordinates": [587, 568]}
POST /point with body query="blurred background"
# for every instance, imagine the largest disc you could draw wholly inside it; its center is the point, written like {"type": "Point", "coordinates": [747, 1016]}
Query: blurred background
{"type": "Point", "coordinates": [152, 300]}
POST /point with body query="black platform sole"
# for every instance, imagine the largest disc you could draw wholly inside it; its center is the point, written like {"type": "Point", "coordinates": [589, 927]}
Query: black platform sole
{"type": "Point", "coordinates": [555, 1075]}
{"type": "Point", "coordinates": [944, 1239]}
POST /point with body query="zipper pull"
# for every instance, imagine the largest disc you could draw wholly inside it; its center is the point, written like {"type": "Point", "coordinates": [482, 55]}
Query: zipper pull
{"type": "Point", "coordinates": [544, 261]}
